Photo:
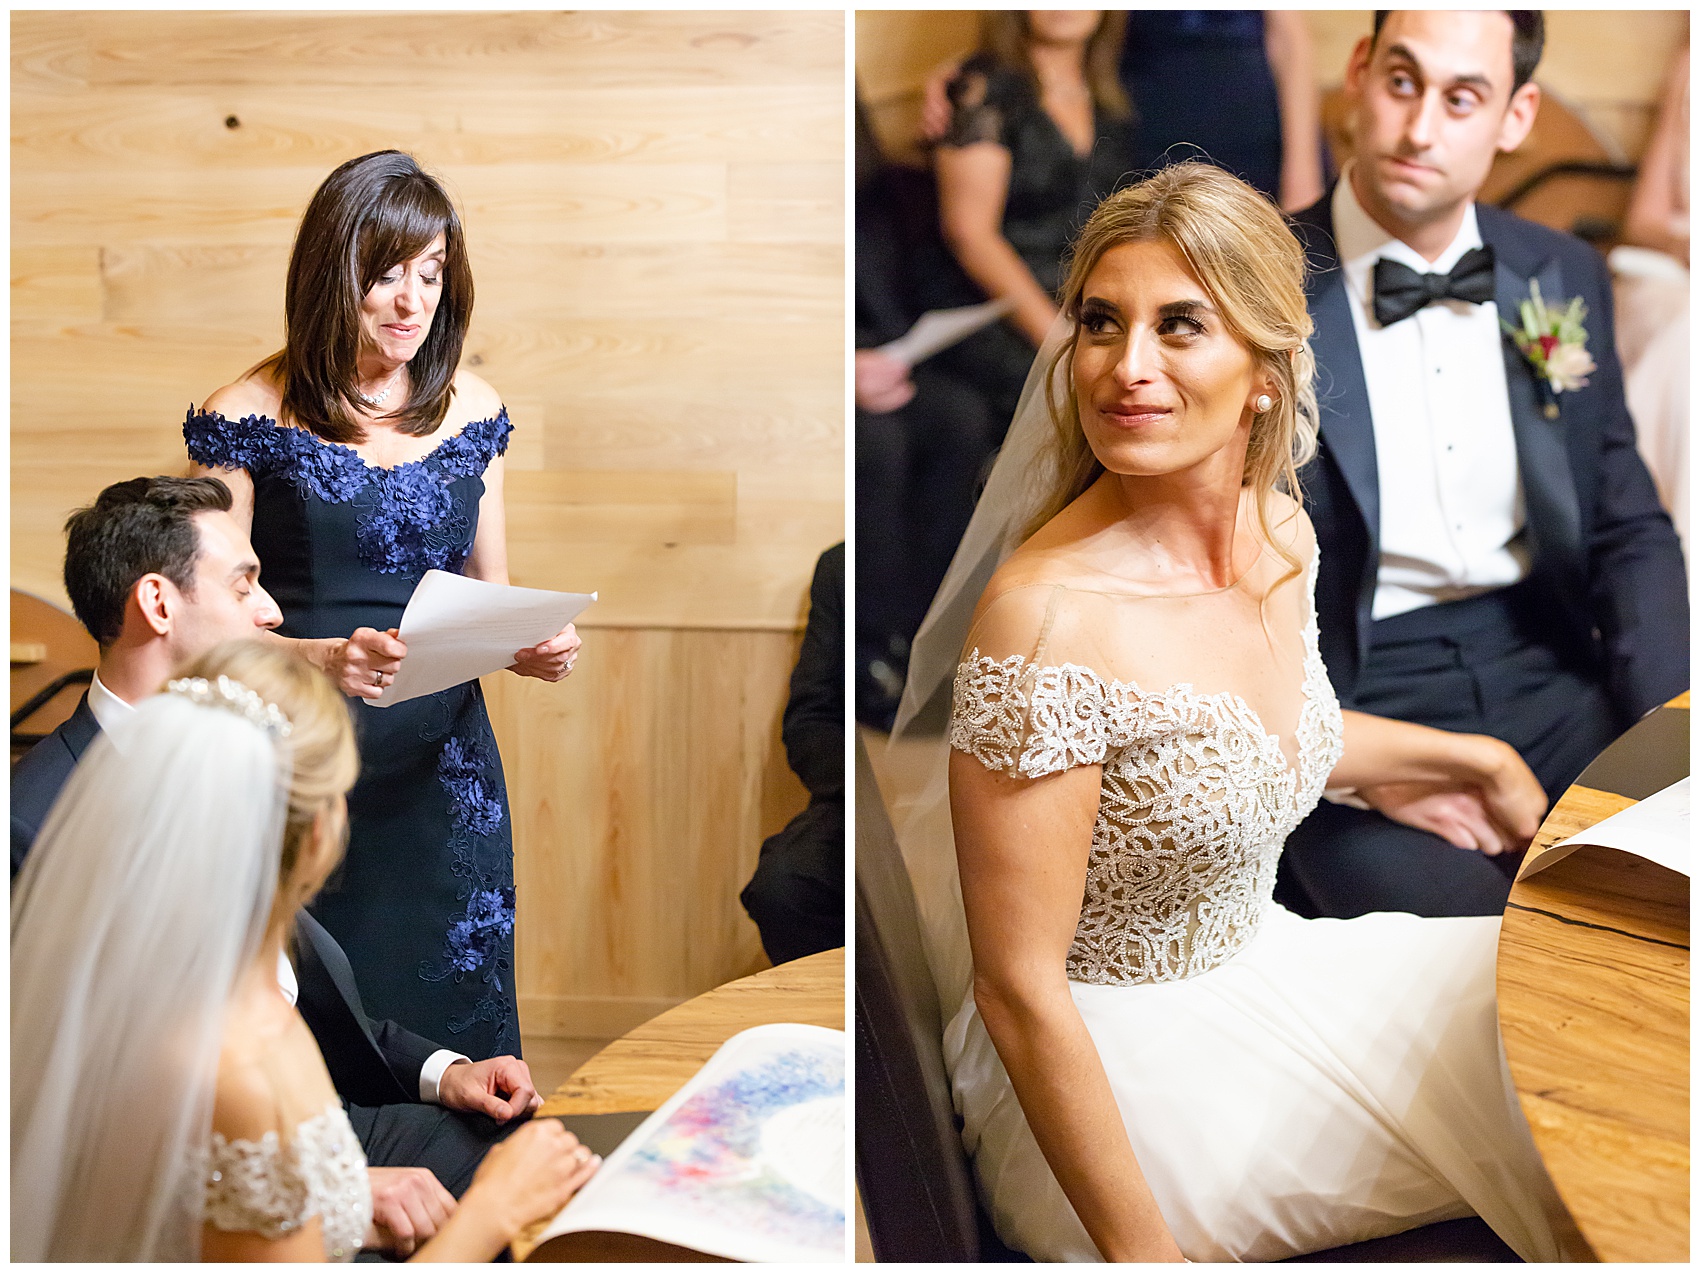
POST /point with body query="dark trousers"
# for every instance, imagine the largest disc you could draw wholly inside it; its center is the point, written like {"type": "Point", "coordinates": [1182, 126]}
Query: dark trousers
{"type": "Point", "coordinates": [796, 896]}
{"type": "Point", "coordinates": [450, 1142]}
{"type": "Point", "coordinates": [1477, 666]}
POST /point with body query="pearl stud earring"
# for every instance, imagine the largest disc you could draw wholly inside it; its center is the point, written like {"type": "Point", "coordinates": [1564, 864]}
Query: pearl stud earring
{"type": "Point", "coordinates": [1263, 403]}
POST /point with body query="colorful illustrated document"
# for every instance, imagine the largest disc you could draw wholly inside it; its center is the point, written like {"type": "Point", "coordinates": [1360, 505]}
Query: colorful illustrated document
{"type": "Point", "coordinates": [746, 1161]}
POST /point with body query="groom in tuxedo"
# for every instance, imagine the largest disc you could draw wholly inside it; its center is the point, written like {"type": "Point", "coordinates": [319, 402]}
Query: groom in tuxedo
{"type": "Point", "coordinates": [1493, 556]}
{"type": "Point", "coordinates": [159, 572]}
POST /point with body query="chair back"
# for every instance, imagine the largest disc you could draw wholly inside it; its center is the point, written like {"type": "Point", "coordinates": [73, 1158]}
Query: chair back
{"type": "Point", "coordinates": [910, 1165]}
{"type": "Point", "coordinates": [52, 657]}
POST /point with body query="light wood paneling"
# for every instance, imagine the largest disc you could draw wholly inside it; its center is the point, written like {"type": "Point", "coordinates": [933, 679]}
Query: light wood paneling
{"type": "Point", "coordinates": [654, 209]}
{"type": "Point", "coordinates": [644, 785]}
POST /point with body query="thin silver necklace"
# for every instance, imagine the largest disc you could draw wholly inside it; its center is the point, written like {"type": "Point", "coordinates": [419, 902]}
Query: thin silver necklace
{"type": "Point", "coordinates": [377, 399]}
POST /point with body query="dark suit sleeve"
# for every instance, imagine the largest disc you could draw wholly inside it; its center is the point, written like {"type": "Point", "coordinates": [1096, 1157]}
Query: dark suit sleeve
{"type": "Point", "coordinates": [329, 1001]}
{"type": "Point", "coordinates": [23, 835]}
{"type": "Point", "coordinates": [1638, 588]}
{"type": "Point", "coordinates": [37, 778]}
{"type": "Point", "coordinates": [405, 1052]}
{"type": "Point", "coordinates": [814, 716]}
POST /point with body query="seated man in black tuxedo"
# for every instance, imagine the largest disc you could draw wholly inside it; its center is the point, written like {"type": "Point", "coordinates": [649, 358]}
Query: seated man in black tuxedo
{"type": "Point", "coordinates": [796, 896]}
{"type": "Point", "coordinates": [1494, 558]}
{"type": "Point", "coordinates": [159, 572]}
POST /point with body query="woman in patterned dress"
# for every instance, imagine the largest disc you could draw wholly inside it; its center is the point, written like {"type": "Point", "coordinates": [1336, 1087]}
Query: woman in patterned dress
{"type": "Point", "coordinates": [362, 455]}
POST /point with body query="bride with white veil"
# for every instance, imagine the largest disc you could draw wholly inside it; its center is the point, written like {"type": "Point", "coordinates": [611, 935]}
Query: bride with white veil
{"type": "Point", "coordinates": [167, 1102]}
{"type": "Point", "coordinates": [1150, 1057]}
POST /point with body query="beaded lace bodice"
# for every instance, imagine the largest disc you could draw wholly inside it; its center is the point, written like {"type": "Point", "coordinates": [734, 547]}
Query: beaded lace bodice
{"type": "Point", "coordinates": [1197, 798]}
{"type": "Point", "coordinates": [273, 1189]}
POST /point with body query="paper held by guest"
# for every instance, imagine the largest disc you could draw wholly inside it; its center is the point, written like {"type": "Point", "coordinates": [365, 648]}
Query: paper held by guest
{"type": "Point", "coordinates": [941, 328]}
{"type": "Point", "coordinates": [458, 629]}
{"type": "Point", "coordinates": [1655, 829]}
{"type": "Point", "coordinates": [746, 1161]}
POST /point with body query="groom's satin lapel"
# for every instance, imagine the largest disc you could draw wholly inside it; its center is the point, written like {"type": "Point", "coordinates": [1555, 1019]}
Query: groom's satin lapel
{"type": "Point", "coordinates": [1342, 399]}
{"type": "Point", "coordinates": [1553, 517]}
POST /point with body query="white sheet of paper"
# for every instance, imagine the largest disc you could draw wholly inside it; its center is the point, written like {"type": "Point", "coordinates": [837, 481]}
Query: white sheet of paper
{"type": "Point", "coordinates": [458, 629]}
{"type": "Point", "coordinates": [941, 328]}
{"type": "Point", "coordinates": [1655, 828]}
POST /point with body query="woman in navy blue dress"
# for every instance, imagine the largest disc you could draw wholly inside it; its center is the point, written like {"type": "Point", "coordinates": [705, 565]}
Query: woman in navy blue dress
{"type": "Point", "coordinates": [364, 456]}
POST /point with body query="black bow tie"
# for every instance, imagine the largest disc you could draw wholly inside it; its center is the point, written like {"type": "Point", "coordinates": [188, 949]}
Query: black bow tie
{"type": "Point", "coordinates": [1400, 291]}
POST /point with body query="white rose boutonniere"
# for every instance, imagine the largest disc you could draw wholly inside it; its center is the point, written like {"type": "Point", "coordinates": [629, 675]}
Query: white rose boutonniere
{"type": "Point", "coordinates": [1554, 341]}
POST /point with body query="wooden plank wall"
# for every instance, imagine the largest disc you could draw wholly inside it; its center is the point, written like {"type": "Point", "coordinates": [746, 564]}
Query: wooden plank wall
{"type": "Point", "coordinates": [654, 209]}
{"type": "Point", "coordinates": [1607, 64]}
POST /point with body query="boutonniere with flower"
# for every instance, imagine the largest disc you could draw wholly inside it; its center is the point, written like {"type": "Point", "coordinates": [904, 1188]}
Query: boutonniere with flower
{"type": "Point", "coordinates": [1554, 341]}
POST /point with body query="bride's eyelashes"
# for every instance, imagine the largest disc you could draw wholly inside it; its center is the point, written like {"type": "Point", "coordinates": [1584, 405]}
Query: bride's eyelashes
{"type": "Point", "coordinates": [1099, 318]}
{"type": "Point", "coordinates": [1182, 320]}
{"type": "Point", "coordinates": [1185, 319]}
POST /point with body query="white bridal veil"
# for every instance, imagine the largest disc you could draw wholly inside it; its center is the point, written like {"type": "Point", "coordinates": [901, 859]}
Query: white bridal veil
{"type": "Point", "coordinates": [1020, 482]}
{"type": "Point", "coordinates": [146, 894]}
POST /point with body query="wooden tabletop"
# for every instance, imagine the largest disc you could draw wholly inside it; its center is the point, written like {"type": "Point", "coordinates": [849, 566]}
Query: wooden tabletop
{"type": "Point", "coordinates": [1593, 1006]}
{"type": "Point", "coordinates": [643, 1068]}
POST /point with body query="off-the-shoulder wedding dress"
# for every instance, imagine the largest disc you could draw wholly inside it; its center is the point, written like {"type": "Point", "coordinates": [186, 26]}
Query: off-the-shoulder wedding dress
{"type": "Point", "coordinates": [274, 1187]}
{"type": "Point", "coordinates": [1289, 1085]}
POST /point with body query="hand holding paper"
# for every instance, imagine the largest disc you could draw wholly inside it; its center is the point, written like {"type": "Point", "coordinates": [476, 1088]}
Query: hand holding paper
{"type": "Point", "coordinates": [552, 659]}
{"type": "Point", "coordinates": [366, 662]}
{"type": "Point", "coordinates": [457, 629]}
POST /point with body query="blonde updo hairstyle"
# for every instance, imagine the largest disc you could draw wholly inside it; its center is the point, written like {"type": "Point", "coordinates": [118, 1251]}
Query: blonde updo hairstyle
{"type": "Point", "coordinates": [322, 760]}
{"type": "Point", "coordinates": [1240, 248]}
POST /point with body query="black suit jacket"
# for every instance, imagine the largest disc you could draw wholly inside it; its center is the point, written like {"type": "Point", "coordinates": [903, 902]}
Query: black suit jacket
{"type": "Point", "coordinates": [371, 1062]}
{"type": "Point", "coordinates": [1604, 557]}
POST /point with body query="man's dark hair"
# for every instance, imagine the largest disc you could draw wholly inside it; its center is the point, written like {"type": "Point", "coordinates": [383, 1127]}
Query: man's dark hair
{"type": "Point", "coordinates": [1528, 38]}
{"type": "Point", "coordinates": [141, 527]}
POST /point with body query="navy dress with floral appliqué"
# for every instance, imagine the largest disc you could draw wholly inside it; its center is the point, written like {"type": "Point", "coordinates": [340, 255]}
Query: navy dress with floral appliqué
{"type": "Point", "coordinates": [424, 900]}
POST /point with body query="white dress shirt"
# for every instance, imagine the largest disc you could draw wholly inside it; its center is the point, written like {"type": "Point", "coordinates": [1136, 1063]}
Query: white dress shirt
{"type": "Point", "coordinates": [110, 713]}
{"type": "Point", "coordinates": [1451, 498]}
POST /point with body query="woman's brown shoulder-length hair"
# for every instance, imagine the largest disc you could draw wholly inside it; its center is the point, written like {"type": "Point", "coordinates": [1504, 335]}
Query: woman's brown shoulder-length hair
{"type": "Point", "coordinates": [370, 215]}
{"type": "Point", "coordinates": [1004, 34]}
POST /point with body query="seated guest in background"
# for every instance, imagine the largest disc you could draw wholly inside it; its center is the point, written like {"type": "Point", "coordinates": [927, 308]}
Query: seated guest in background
{"type": "Point", "coordinates": [1238, 85]}
{"type": "Point", "coordinates": [923, 435]}
{"type": "Point", "coordinates": [159, 571]}
{"type": "Point", "coordinates": [1040, 131]}
{"type": "Point", "coordinates": [1650, 289]}
{"type": "Point", "coordinates": [168, 1103]}
{"type": "Point", "coordinates": [1494, 559]}
{"type": "Point", "coordinates": [796, 896]}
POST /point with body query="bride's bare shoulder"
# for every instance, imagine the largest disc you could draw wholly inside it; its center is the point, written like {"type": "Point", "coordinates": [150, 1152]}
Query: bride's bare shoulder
{"type": "Point", "coordinates": [246, 1102]}
{"type": "Point", "coordinates": [1290, 526]}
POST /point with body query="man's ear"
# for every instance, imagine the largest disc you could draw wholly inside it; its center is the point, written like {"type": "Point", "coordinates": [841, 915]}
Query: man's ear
{"type": "Point", "coordinates": [154, 600]}
{"type": "Point", "coordinates": [1519, 116]}
{"type": "Point", "coordinates": [1357, 66]}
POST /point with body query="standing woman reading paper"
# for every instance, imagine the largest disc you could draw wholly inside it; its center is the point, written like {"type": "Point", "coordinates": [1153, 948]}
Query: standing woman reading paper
{"type": "Point", "coordinates": [363, 455]}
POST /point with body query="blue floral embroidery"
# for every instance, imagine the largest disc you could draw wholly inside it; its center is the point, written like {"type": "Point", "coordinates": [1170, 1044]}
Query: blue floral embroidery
{"type": "Point", "coordinates": [476, 939]}
{"type": "Point", "coordinates": [411, 521]}
{"type": "Point", "coordinates": [473, 805]}
{"type": "Point", "coordinates": [478, 942]}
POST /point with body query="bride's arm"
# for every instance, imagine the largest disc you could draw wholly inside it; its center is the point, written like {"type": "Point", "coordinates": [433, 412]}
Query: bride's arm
{"type": "Point", "coordinates": [1472, 790]}
{"type": "Point", "coordinates": [1022, 849]}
